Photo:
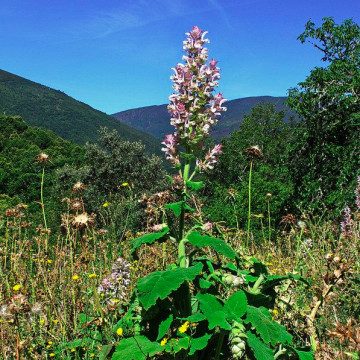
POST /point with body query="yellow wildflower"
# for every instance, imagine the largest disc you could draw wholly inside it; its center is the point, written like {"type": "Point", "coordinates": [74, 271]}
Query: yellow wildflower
{"type": "Point", "coordinates": [119, 331]}
{"type": "Point", "coordinates": [275, 312]}
{"type": "Point", "coordinates": [73, 350]}
{"type": "Point", "coordinates": [106, 204]}
{"type": "Point", "coordinates": [52, 355]}
{"type": "Point", "coordinates": [17, 287]}
{"type": "Point", "coordinates": [183, 328]}
{"type": "Point", "coordinates": [92, 355]}
{"type": "Point", "coordinates": [49, 261]}
{"type": "Point", "coordinates": [91, 276]}
{"type": "Point", "coordinates": [75, 277]}
{"type": "Point", "coordinates": [125, 184]}
{"type": "Point", "coordinates": [163, 341]}
{"type": "Point", "coordinates": [55, 321]}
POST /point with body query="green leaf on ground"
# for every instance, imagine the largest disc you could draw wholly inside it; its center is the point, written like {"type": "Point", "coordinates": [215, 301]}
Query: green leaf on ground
{"type": "Point", "coordinates": [164, 327]}
{"type": "Point", "coordinates": [199, 343]}
{"type": "Point", "coordinates": [236, 305]}
{"type": "Point", "coordinates": [213, 310]}
{"type": "Point", "coordinates": [160, 284]}
{"type": "Point", "coordinates": [261, 350]}
{"type": "Point", "coordinates": [136, 348]}
{"type": "Point", "coordinates": [196, 239]}
{"type": "Point", "coordinates": [269, 330]}
{"type": "Point", "coordinates": [148, 238]}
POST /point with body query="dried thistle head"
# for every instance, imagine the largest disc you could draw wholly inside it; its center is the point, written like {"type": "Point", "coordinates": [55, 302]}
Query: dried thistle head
{"type": "Point", "coordinates": [78, 187]}
{"type": "Point", "coordinates": [253, 152]}
{"type": "Point", "coordinates": [288, 220]}
{"type": "Point", "coordinates": [83, 221]}
{"type": "Point", "coordinates": [13, 212]}
{"type": "Point", "coordinates": [76, 204]}
{"type": "Point", "coordinates": [43, 158]}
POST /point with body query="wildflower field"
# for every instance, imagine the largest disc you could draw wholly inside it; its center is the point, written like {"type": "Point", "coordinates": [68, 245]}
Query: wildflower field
{"type": "Point", "coordinates": [248, 249]}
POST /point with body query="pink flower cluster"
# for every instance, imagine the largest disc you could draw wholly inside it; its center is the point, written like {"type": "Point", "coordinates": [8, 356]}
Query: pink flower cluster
{"type": "Point", "coordinates": [193, 107]}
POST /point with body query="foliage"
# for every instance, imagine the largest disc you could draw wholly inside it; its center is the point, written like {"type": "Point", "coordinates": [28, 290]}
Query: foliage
{"type": "Point", "coordinates": [20, 172]}
{"type": "Point", "coordinates": [325, 157]}
{"type": "Point", "coordinates": [111, 171]}
{"type": "Point", "coordinates": [227, 186]}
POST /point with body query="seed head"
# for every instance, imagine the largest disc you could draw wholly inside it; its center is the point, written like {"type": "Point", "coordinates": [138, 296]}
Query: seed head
{"type": "Point", "coordinates": [79, 187]}
{"type": "Point", "coordinates": [83, 221]}
{"type": "Point", "coordinates": [43, 158]}
{"type": "Point", "coordinates": [253, 152]}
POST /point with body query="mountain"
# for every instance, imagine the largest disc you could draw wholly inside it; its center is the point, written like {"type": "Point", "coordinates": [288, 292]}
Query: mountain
{"type": "Point", "coordinates": [52, 109]}
{"type": "Point", "coordinates": [154, 120]}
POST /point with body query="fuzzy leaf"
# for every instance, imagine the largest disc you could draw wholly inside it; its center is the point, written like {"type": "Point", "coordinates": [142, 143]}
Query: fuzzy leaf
{"type": "Point", "coordinates": [195, 185]}
{"type": "Point", "coordinates": [175, 345]}
{"type": "Point", "coordinates": [304, 355]}
{"type": "Point", "coordinates": [205, 284]}
{"type": "Point", "coordinates": [164, 327]}
{"type": "Point", "coordinates": [148, 238]}
{"type": "Point", "coordinates": [136, 348]}
{"type": "Point", "coordinates": [261, 350]}
{"type": "Point", "coordinates": [199, 343]}
{"type": "Point", "coordinates": [270, 331]}
{"type": "Point", "coordinates": [160, 284]}
{"type": "Point", "coordinates": [213, 310]}
{"type": "Point", "coordinates": [196, 239]}
{"type": "Point", "coordinates": [175, 207]}
{"type": "Point", "coordinates": [236, 306]}
{"type": "Point", "coordinates": [197, 317]}
{"type": "Point", "coordinates": [105, 351]}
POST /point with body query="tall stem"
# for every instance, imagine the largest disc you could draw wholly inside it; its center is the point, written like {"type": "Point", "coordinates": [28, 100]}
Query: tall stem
{"type": "Point", "coordinates": [43, 206]}
{"type": "Point", "coordinates": [249, 210]}
{"type": "Point", "coordinates": [269, 221]}
{"type": "Point", "coordinates": [181, 245]}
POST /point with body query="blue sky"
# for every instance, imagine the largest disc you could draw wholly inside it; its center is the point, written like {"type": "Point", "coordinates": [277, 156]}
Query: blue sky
{"type": "Point", "coordinates": [117, 55]}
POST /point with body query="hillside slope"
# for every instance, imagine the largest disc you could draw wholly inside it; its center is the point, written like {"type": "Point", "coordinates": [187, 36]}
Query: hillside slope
{"type": "Point", "coordinates": [52, 109]}
{"type": "Point", "coordinates": [154, 120]}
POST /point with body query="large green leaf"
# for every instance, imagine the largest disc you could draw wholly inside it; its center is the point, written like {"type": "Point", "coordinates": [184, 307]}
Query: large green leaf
{"type": "Point", "coordinates": [199, 343]}
{"type": "Point", "coordinates": [213, 310]}
{"type": "Point", "coordinates": [195, 185]}
{"type": "Point", "coordinates": [176, 207]}
{"type": "Point", "coordinates": [164, 327]}
{"type": "Point", "coordinates": [269, 330]}
{"type": "Point", "coordinates": [304, 355]}
{"type": "Point", "coordinates": [236, 305]}
{"type": "Point", "coordinates": [160, 284]}
{"type": "Point", "coordinates": [261, 350]}
{"type": "Point", "coordinates": [196, 239]}
{"type": "Point", "coordinates": [148, 238]}
{"type": "Point", "coordinates": [136, 348]}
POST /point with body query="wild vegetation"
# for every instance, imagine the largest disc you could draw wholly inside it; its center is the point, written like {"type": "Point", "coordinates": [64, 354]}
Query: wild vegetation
{"type": "Point", "coordinates": [248, 250]}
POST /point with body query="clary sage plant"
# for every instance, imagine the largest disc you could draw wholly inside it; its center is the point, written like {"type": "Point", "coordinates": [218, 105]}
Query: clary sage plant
{"type": "Point", "coordinates": [211, 304]}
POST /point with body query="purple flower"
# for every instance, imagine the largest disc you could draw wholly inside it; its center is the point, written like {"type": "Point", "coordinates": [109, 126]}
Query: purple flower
{"type": "Point", "coordinates": [193, 107]}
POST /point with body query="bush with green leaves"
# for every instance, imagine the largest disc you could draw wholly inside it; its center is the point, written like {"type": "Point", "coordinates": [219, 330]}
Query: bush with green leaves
{"type": "Point", "coordinates": [326, 155]}
{"type": "Point", "coordinates": [213, 303]}
{"type": "Point", "coordinates": [227, 190]}
{"type": "Point", "coordinates": [114, 172]}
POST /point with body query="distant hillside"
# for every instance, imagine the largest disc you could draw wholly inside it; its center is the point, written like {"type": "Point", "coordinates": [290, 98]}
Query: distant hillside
{"type": "Point", "coordinates": [154, 120]}
{"type": "Point", "coordinates": [51, 109]}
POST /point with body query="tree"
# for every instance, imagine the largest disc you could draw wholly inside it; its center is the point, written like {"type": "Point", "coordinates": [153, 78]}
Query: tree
{"type": "Point", "coordinates": [325, 157]}
{"type": "Point", "coordinates": [228, 185]}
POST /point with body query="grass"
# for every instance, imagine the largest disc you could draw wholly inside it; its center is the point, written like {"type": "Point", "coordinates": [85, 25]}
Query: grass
{"type": "Point", "coordinates": [50, 305]}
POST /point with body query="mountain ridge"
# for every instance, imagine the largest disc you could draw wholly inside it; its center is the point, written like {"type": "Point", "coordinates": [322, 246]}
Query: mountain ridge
{"type": "Point", "coordinates": [42, 106]}
{"type": "Point", "coordinates": [155, 119]}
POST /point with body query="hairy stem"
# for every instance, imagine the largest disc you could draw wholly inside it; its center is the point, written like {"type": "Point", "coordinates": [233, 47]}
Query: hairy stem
{"type": "Point", "coordinates": [249, 209]}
